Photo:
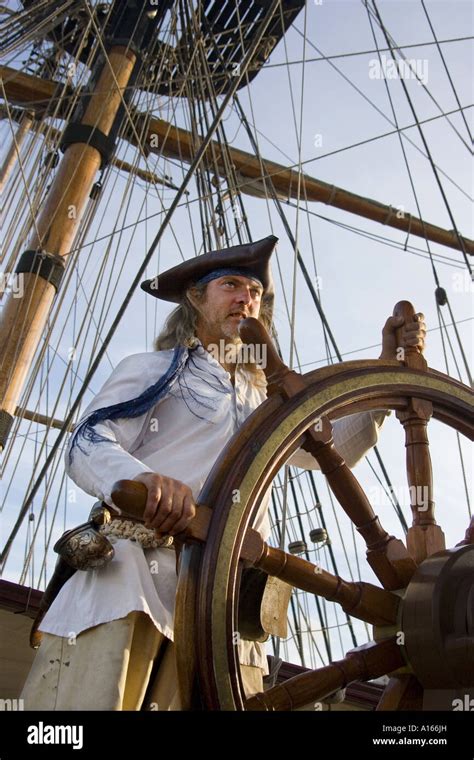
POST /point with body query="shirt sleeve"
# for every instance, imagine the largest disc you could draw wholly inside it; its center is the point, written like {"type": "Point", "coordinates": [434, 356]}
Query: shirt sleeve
{"type": "Point", "coordinates": [95, 467]}
{"type": "Point", "coordinates": [353, 436]}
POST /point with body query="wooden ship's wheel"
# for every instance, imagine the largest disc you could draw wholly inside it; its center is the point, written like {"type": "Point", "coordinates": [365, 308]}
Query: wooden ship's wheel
{"type": "Point", "coordinates": [423, 610]}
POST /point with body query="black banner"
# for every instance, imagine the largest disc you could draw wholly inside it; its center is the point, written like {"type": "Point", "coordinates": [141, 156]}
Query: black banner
{"type": "Point", "coordinates": [376, 734]}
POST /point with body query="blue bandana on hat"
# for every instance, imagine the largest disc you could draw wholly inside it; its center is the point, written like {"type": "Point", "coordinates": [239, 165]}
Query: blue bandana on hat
{"type": "Point", "coordinates": [225, 272]}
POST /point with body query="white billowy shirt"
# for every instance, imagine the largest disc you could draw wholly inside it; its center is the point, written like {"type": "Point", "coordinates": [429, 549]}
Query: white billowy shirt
{"type": "Point", "coordinates": [180, 437]}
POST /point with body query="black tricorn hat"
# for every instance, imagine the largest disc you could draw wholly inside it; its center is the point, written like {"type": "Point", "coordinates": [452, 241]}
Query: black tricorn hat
{"type": "Point", "coordinates": [251, 258]}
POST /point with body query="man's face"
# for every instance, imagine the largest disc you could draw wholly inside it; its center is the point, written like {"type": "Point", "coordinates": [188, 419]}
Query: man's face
{"type": "Point", "coordinates": [228, 300]}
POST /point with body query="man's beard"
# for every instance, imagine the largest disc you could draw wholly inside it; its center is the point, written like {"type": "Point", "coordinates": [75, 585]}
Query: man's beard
{"type": "Point", "coordinates": [223, 327]}
{"type": "Point", "coordinates": [230, 330]}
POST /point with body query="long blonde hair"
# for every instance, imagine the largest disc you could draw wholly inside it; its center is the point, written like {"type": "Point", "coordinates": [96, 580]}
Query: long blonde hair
{"type": "Point", "coordinates": [180, 326]}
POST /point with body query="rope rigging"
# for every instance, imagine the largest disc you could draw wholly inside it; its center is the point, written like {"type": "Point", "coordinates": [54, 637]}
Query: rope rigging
{"type": "Point", "coordinates": [425, 144]}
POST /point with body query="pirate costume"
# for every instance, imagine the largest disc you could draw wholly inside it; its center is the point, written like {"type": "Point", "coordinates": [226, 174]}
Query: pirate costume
{"type": "Point", "coordinates": [170, 412]}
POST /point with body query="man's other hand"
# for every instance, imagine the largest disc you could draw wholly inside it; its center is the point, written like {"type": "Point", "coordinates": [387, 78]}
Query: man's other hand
{"type": "Point", "coordinates": [413, 334]}
{"type": "Point", "coordinates": [170, 505]}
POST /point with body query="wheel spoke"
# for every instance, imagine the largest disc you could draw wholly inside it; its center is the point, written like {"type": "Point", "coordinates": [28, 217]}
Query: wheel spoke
{"type": "Point", "coordinates": [387, 555]}
{"type": "Point", "coordinates": [130, 497]}
{"type": "Point", "coordinates": [424, 537]}
{"type": "Point", "coordinates": [362, 600]}
{"type": "Point", "coordinates": [368, 661]}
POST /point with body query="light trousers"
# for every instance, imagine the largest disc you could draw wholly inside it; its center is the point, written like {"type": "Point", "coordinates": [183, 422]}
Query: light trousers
{"type": "Point", "coordinates": [108, 667]}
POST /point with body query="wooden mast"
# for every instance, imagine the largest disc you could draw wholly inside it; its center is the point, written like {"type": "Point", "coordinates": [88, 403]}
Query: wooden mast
{"type": "Point", "coordinates": [174, 142]}
{"type": "Point", "coordinates": [41, 266]}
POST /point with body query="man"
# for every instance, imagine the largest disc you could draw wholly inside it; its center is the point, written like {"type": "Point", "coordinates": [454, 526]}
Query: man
{"type": "Point", "coordinates": [162, 419]}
